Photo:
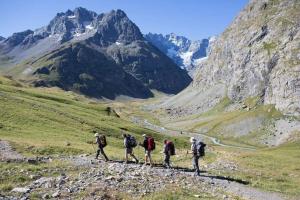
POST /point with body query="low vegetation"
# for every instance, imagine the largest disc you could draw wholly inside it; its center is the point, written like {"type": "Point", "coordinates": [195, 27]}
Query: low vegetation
{"type": "Point", "coordinates": [273, 169]}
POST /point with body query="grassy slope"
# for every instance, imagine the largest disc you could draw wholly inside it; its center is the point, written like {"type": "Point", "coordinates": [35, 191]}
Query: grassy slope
{"type": "Point", "coordinates": [273, 169]}
{"type": "Point", "coordinates": [216, 121]}
{"type": "Point", "coordinates": [41, 121]}
{"type": "Point", "coordinates": [45, 119]}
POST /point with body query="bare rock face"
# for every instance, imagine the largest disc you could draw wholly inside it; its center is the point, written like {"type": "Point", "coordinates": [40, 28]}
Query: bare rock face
{"type": "Point", "coordinates": [258, 55]}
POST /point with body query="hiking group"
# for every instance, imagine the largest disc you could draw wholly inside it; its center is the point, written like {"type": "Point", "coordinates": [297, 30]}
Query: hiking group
{"type": "Point", "coordinates": [197, 149]}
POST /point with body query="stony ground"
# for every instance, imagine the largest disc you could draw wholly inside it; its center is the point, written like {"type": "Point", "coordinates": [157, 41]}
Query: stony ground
{"type": "Point", "coordinates": [96, 179]}
{"type": "Point", "coordinates": [7, 152]}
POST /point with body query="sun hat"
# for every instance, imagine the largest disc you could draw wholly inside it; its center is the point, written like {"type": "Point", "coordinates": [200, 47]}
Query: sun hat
{"type": "Point", "coordinates": [192, 139]}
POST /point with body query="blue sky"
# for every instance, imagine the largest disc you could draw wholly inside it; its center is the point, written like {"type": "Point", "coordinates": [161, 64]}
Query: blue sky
{"type": "Point", "coordinates": [195, 19]}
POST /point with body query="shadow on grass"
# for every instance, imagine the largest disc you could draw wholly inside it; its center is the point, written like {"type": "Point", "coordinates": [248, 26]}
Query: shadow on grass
{"type": "Point", "coordinates": [228, 179]}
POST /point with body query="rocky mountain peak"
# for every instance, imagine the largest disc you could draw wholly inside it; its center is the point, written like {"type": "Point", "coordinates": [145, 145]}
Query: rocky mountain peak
{"type": "Point", "coordinates": [179, 41]}
{"type": "Point", "coordinates": [118, 47]}
{"type": "Point", "coordinates": [71, 23]}
{"type": "Point", "coordinates": [118, 13]}
{"type": "Point", "coordinates": [183, 51]}
{"type": "Point", "coordinates": [114, 27]}
{"type": "Point", "coordinates": [2, 38]}
{"type": "Point", "coordinates": [84, 15]}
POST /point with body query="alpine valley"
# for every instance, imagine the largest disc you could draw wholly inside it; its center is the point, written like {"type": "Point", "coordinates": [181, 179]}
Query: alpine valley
{"type": "Point", "coordinates": [86, 74]}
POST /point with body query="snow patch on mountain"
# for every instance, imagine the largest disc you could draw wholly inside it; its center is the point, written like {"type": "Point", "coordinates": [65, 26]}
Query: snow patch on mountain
{"type": "Point", "coordinates": [72, 17]}
{"type": "Point", "coordinates": [90, 27]}
{"type": "Point", "coordinates": [183, 51]}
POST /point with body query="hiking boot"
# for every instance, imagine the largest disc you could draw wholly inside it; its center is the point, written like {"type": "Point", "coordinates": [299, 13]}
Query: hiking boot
{"type": "Point", "coordinates": [197, 174]}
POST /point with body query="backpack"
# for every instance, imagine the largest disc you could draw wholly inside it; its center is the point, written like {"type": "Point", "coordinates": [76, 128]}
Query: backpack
{"type": "Point", "coordinates": [171, 148]}
{"type": "Point", "coordinates": [102, 140]}
{"type": "Point", "coordinates": [200, 148]}
{"type": "Point", "coordinates": [151, 144]}
{"type": "Point", "coordinates": [131, 141]}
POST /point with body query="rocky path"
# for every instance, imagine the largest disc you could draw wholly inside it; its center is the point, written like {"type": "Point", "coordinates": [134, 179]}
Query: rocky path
{"type": "Point", "coordinates": [108, 180]}
{"type": "Point", "coordinates": [115, 180]}
{"type": "Point", "coordinates": [7, 153]}
{"type": "Point", "coordinates": [222, 187]}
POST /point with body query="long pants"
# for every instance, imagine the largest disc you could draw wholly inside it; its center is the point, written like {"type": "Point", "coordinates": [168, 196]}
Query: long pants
{"type": "Point", "coordinates": [196, 164]}
{"type": "Point", "coordinates": [167, 160]}
{"type": "Point", "coordinates": [100, 150]}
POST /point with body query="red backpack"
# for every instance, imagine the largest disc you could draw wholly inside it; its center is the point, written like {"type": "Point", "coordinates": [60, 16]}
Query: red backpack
{"type": "Point", "coordinates": [151, 144]}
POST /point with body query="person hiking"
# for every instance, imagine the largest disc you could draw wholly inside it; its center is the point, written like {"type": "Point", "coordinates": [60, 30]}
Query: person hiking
{"type": "Point", "coordinates": [149, 146]}
{"type": "Point", "coordinates": [101, 142]}
{"type": "Point", "coordinates": [195, 159]}
{"type": "Point", "coordinates": [129, 144]}
{"type": "Point", "coordinates": [169, 150]}
{"type": "Point", "coordinates": [197, 148]}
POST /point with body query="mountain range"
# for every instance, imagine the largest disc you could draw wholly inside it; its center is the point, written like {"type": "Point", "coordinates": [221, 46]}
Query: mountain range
{"type": "Point", "coordinates": [184, 52]}
{"type": "Point", "coordinates": [99, 55]}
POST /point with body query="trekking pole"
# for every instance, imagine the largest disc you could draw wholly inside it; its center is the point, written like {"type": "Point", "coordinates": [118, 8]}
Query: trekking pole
{"type": "Point", "coordinates": [93, 147]}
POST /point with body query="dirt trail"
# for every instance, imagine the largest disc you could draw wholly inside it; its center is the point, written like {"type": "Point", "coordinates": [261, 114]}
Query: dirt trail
{"type": "Point", "coordinates": [7, 153]}
{"type": "Point", "coordinates": [145, 123]}
{"type": "Point", "coordinates": [231, 186]}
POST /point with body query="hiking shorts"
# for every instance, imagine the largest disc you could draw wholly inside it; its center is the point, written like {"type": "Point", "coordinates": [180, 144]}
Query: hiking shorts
{"type": "Point", "coordinates": [129, 150]}
{"type": "Point", "coordinates": [148, 153]}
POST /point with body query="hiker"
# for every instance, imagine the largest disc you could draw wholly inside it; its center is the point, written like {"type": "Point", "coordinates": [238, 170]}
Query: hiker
{"type": "Point", "coordinates": [149, 146]}
{"type": "Point", "coordinates": [129, 144]}
{"type": "Point", "coordinates": [169, 150]}
{"type": "Point", "coordinates": [101, 141]}
{"type": "Point", "coordinates": [198, 150]}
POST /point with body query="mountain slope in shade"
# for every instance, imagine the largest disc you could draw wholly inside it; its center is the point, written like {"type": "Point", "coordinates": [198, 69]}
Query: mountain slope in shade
{"type": "Point", "coordinates": [80, 68]}
{"type": "Point", "coordinates": [112, 35]}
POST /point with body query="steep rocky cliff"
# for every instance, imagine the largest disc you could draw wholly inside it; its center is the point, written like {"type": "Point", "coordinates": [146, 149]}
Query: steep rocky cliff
{"type": "Point", "coordinates": [258, 55]}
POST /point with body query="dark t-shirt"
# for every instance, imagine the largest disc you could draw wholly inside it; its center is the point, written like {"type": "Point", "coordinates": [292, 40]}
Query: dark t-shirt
{"type": "Point", "coordinates": [145, 143]}
{"type": "Point", "coordinates": [99, 142]}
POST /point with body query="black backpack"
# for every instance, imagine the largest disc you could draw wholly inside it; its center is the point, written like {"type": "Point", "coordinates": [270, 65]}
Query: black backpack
{"type": "Point", "coordinates": [102, 140]}
{"type": "Point", "coordinates": [131, 141]}
{"type": "Point", "coordinates": [200, 148]}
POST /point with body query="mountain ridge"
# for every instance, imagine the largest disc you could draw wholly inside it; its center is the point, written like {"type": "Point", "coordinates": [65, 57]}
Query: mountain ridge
{"type": "Point", "coordinates": [112, 34]}
{"type": "Point", "coordinates": [184, 52]}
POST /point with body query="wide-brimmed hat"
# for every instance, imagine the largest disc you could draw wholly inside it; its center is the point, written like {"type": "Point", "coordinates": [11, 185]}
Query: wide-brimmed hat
{"type": "Point", "coordinates": [96, 134]}
{"type": "Point", "coordinates": [192, 139]}
{"type": "Point", "coordinates": [144, 135]}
